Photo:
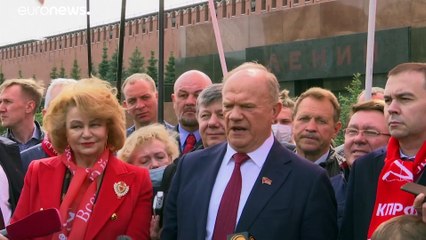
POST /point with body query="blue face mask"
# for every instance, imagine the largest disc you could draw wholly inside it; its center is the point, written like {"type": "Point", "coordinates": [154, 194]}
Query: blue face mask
{"type": "Point", "coordinates": [156, 175]}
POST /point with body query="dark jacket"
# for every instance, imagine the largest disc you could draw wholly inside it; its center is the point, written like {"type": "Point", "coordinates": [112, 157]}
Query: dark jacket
{"type": "Point", "coordinates": [11, 162]}
{"type": "Point", "coordinates": [33, 153]}
{"type": "Point", "coordinates": [361, 195]}
{"type": "Point", "coordinates": [332, 164]}
{"type": "Point", "coordinates": [276, 210]}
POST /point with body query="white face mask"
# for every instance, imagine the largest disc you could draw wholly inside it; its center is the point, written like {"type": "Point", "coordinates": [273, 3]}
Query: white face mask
{"type": "Point", "coordinates": [282, 133]}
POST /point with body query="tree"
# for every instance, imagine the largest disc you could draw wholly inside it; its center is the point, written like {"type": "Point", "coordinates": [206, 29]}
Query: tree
{"type": "Point", "coordinates": [75, 70]}
{"type": "Point", "coordinates": [170, 70]}
{"type": "Point", "coordinates": [94, 72]}
{"type": "Point", "coordinates": [34, 76]}
{"type": "Point", "coordinates": [112, 71]}
{"type": "Point", "coordinates": [54, 73]}
{"type": "Point", "coordinates": [62, 73]}
{"type": "Point", "coordinates": [2, 78]}
{"type": "Point", "coordinates": [346, 101]}
{"type": "Point", "coordinates": [152, 67]}
{"type": "Point", "coordinates": [104, 64]}
{"type": "Point", "coordinates": [136, 63]}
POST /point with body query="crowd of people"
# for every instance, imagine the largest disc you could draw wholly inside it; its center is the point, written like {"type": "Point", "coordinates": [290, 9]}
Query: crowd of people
{"type": "Point", "coordinates": [244, 159]}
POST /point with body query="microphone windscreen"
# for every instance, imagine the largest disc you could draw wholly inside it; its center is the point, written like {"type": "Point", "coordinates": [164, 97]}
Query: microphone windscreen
{"type": "Point", "coordinates": [123, 237]}
{"type": "Point", "coordinates": [38, 224]}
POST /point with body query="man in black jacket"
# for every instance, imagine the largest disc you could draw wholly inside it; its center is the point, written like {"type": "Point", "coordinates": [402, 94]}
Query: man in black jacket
{"type": "Point", "coordinates": [11, 177]}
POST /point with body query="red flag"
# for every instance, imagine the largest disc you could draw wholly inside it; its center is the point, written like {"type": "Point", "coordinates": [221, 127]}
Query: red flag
{"type": "Point", "coordinates": [266, 180]}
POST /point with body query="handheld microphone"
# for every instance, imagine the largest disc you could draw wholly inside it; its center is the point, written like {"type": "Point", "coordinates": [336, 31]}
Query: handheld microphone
{"type": "Point", "coordinates": [38, 224]}
{"type": "Point", "coordinates": [240, 236]}
{"type": "Point", "coordinates": [157, 205]}
{"type": "Point", "coordinates": [123, 237]}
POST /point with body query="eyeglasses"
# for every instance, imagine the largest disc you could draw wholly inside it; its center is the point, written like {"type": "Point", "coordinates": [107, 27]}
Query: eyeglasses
{"type": "Point", "coordinates": [368, 133]}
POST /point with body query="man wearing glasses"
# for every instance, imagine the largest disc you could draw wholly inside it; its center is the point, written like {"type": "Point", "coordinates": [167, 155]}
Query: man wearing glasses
{"type": "Point", "coordinates": [366, 132]}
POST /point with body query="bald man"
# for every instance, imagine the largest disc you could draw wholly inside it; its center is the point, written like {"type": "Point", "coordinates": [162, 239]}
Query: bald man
{"type": "Point", "coordinates": [184, 97]}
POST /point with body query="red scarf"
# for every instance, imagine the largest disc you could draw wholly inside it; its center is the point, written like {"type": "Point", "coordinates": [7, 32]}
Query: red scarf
{"type": "Point", "coordinates": [391, 201]}
{"type": "Point", "coordinates": [48, 147]}
{"type": "Point", "coordinates": [78, 202]}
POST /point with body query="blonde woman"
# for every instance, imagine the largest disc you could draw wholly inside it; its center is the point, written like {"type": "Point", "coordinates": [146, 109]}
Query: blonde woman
{"type": "Point", "coordinates": [98, 196]}
{"type": "Point", "coordinates": [152, 147]}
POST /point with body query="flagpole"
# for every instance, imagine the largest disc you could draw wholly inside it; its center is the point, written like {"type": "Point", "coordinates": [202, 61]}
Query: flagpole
{"type": "Point", "coordinates": [370, 49]}
{"type": "Point", "coordinates": [161, 61]}
{"type": "Point", "coordinates": [218, 37]}
{"type": "Point", "coordinates": [121, 48]}
{"type": "Point", "coordinates": [88, 40]}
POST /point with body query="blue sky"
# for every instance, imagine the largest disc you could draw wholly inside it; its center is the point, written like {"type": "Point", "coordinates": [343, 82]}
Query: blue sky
{"type": "Point", "coordinates": [22, 20]}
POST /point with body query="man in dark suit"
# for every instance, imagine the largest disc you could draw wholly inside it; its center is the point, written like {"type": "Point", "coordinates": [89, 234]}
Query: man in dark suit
{"type": "Point", "coordinates": [10, 167]}
{"type": "Point", "coordinates": [374, 195]}
{"type": "Point", "coordinates": [251, 183]}
{"type": "Point", "coordinates": [184, 97]}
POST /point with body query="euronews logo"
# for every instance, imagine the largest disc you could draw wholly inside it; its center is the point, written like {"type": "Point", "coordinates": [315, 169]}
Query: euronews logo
{"type": "Point", "coordinates": [52, 11]}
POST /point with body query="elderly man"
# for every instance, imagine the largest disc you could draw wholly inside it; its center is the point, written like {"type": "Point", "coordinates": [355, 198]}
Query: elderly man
{"type": "Point", "coordinates": [140, 100]}
{"type": "Point", "coordinates": [376, 93]}
{"type": "Point", "coordinates": [19, 101]}
{"type": "Point", "coordinates": [316, 123]}
{"type": "Point", "coordinates": [374, 193]}
{"type": "Point", "coordinates": [251, 183]}
{"type": "Point", "coordinates": [211, 125]}
{"type": "Point", "coordinates": [185, 92]}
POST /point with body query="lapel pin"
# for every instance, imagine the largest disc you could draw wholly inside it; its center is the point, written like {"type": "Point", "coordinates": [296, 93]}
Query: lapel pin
{"type": "Point", "coordinates": [121, 189]}
{"type": "Point", "coordinates": [266, 180]}
{"type": "Point", "coordinates": [114, 216]}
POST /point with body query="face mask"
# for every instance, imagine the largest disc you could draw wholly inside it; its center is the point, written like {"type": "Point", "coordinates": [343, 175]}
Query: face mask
{"type": "Point", "coordinates": [156, 175]}
{"type": "Point", "coordinates": [282, 133]}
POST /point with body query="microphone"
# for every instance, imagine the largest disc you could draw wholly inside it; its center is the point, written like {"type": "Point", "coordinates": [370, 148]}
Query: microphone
{"type": "Point", "coordinates": [240, 236]}
{"type": "Point", "coordinates": [157, 204]}
{"type": "Point", "coordinates": [38, 224]}
{"type": "Point", "coordinates": [123, 237]}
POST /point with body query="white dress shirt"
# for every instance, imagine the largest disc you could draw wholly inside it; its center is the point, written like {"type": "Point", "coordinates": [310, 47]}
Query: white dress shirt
{"type": "Point", "coordinates": [249, 172]}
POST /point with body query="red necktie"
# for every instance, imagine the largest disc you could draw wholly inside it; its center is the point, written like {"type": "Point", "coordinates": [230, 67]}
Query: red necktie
{"type": "Point", "coordinates": [227, 214]}
{"type": "Point", "coordinates": [189, 143]}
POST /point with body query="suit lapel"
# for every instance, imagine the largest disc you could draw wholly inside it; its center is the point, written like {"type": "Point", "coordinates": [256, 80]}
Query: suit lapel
{"type": "Point", "coordinates": [277, 167]}
{"type": "Point", "coordinates": [104, 208]}
{"type": "Point", "coordinates": [210, 161]}
{"type": "Point", "coordinates": [50, 182]}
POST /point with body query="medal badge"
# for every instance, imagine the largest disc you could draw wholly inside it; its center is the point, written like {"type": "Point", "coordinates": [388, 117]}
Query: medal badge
{"type": "Point", "coordinates": [121, 189]}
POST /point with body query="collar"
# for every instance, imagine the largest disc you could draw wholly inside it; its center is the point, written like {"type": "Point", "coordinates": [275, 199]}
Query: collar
{"type": "Point", "coordinates": [183, 134]}
{"type": "Point", "coordinates": [405, 156]}
{"type": "Point", "coordinates": [36, 133]}
{"type": "Point", "coordinates": [258, 156]}
{"type": "Point", "coordinates": [323, 158]}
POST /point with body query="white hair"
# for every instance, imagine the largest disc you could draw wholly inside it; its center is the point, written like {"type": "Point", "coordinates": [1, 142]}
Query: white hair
{"type": "Point", "coordinates": [56, 82]}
